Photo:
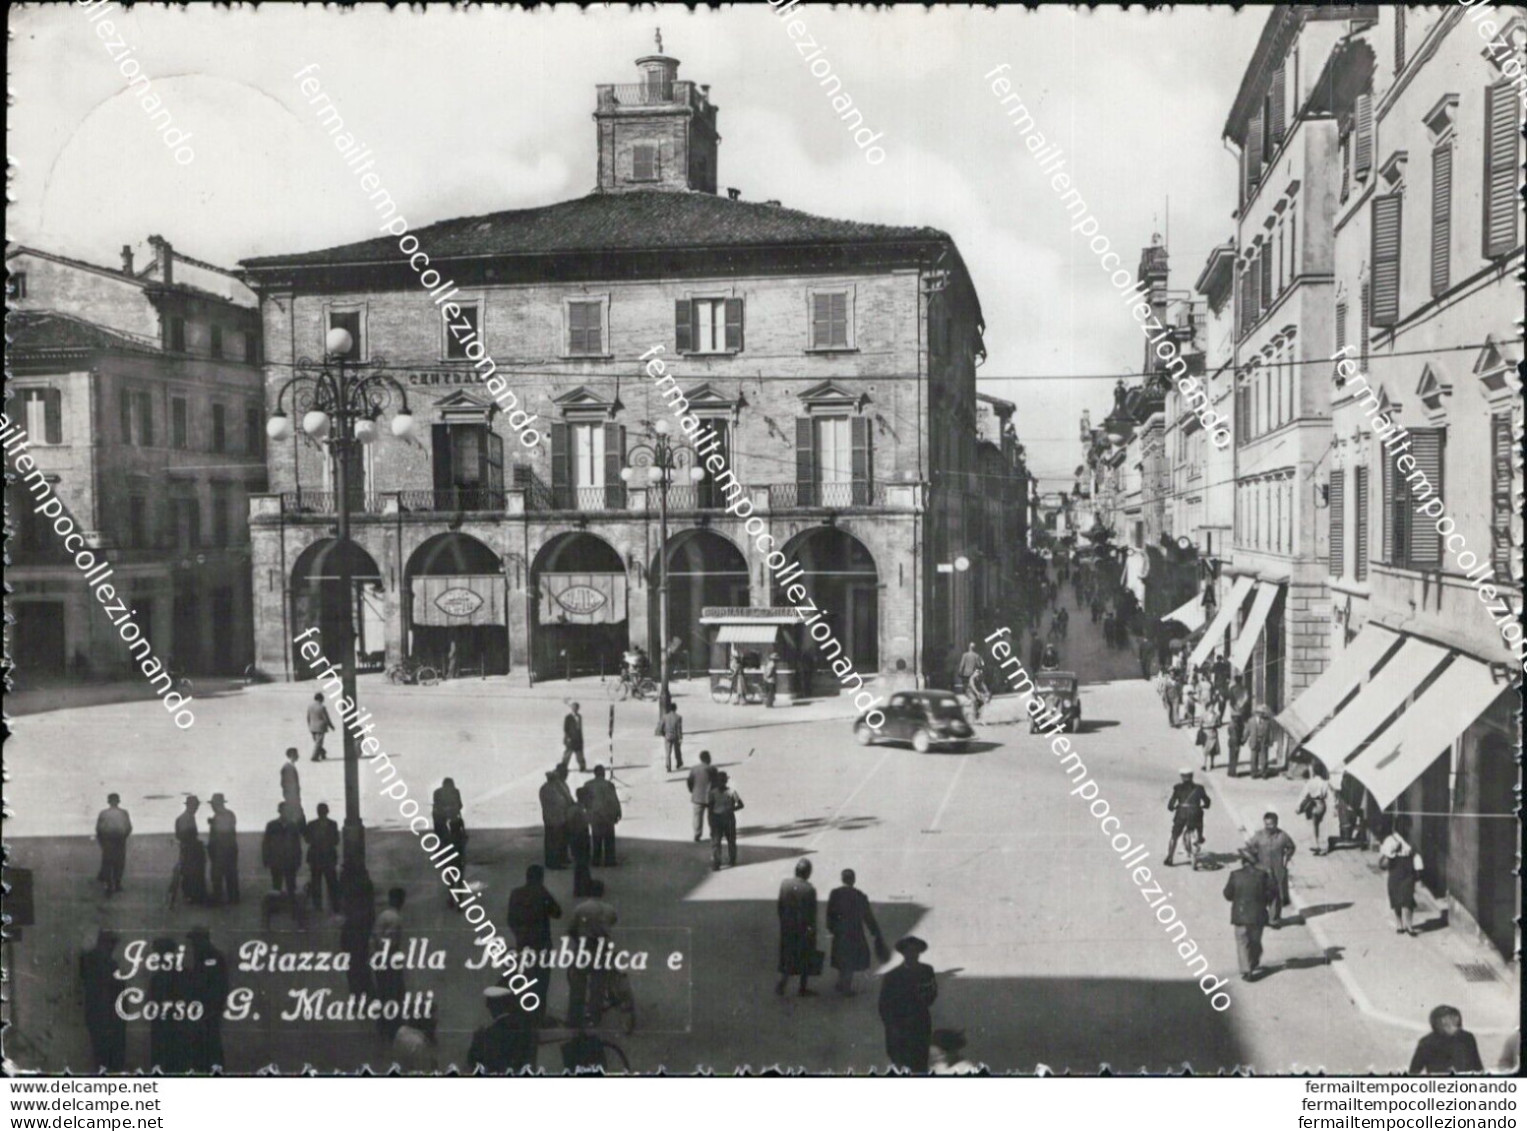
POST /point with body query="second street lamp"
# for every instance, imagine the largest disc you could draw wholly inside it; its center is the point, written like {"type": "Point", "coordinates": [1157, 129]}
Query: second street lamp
{"type": "Point", "coordinates": [660, 459]}
{"type": "Point", "coordinates": [340, 404]}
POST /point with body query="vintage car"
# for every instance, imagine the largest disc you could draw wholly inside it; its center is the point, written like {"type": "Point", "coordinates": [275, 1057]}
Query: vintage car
{"type": "Point", "coordinates": [1058, 691]}
{"type": "Point", "coordinates": [924, 718]}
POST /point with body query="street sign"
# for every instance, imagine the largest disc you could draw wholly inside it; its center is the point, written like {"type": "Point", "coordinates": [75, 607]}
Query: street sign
{"type": "Point", "coordinates": [945, 567]}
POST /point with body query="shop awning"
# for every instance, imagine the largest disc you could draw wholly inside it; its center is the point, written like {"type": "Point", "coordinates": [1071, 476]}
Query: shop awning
{"type": "Point", "coordinates": [1190, 614]}
{"type": "Point", "coordinates": [747, 634]}
{"type": "Point", "coordinates": [1335, 743]}
{"type": "Point", "coordinates": [1261, 605]}
{"type": "Point", "coordinates": [1347, 672]}
{"type": "Point", "coordinates": [1222, 619]}
{"type": "Point", "coordinates": [1414, 741]}
{"type": "Point", "coordinates": [458, 599]}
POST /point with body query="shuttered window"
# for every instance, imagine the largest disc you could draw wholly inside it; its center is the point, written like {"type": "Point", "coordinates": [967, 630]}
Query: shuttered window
{"type": "Point", "coordinates": [1399, 38]}
{"type": "Point", "coordinates": [1341, 328]}
{"type": "Point", "coordinates": [1362, 134]}
{"type": "Point", "coordinates": [1502, 504]}
{"type": "Point", "coordinates": [1360, 524]}
{"type": "Point", "coordinates": [829, 320]}
{"type": "Point", "coordinates": [585, 328]}
{"type": "Point", "coordinates": [1385, 258]}
{"type": "Point", "coordinates": [1254, 299]}
{"type": "Point", "coordinates": [1337, 508]}
{"type": "Point", "coordinates": [1442, 215]}
{"type": "Point", "coordinates": [1410, 539]}
{"type": "Point", "coordinates": [1267, 278]}
{"type": "Point", "coordinates": [1276, 98]}
{"type": "Point", "coordinates": [1253, 154]}
{"type": "Point", "coordinates": [1502, 169]}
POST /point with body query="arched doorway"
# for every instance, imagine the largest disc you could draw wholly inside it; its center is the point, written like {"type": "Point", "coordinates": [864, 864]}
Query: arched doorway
{"type": "Point", "coordinates": [704, 568]}
{"type": "Point", "coordinates": [840, 575]}
{"type": "Point", "coordinates": [580, 627]}
{"type": "Point", "coordinates": [456, 606]}
{"type": "Point", "coordinates": [318, 601]}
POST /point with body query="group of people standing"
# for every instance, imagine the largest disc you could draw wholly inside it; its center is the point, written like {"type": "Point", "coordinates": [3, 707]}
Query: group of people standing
{"type": "Point", "coordinates": [907, 991]}
{"type": "Point", "coordinates": [1211, 699]}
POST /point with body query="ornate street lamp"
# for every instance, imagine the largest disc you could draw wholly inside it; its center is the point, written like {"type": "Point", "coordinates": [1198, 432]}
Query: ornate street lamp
{"type": "Point", "coordinates": [657, 462]}
{"type": "Point", "coordinates": [340, 404]}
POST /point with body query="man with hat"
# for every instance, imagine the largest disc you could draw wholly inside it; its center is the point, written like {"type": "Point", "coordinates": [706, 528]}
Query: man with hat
{"type": "Point", "coordinates": [281, 852]}
{"type": "Point", "coordinates": [797, 910]}
{"type": "Point", "coordinates": [322, 836]}
{"type": "Point", "coordinates": [107, 1028]}
{"type": "Point", "coordinates": [1249, 890]}
{"type": "Point", "coordinates": [907, 994]}
{"type": "Point", "coordinates": [507, 1043]}
{"type": "Point", "coordinates": [556, 800]}
{"type": "Point", "coordinates": [193, 856]}
{"type": "Point", "coordinates": [206, 983]}
{"type": "Point", "coordinates": [1187, 805]}
{"type": "Point", "coordinates": [112, 828]}
{"type": "Point", "coordinates": [223, 850]}
{"type": "Point", "coordinates": [1240, 705]}
{"type": "Point", "coordinates": [1259, 739]}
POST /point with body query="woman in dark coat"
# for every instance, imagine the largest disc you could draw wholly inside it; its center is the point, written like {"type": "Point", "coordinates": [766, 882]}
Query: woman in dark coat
{"type": "Point", "coordinates": [797, 928]}
{"type": "Point", "coordinates": [848, 915]}
{"type": "Point", "coordinates": [907, 994]}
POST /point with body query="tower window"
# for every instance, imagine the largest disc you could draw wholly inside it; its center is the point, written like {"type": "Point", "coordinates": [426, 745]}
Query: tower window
{"type": "Point", "coordinates": [644, 162]}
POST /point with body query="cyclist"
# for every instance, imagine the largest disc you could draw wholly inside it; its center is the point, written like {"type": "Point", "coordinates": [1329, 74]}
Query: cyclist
{"type": "Point", "coordinates": [1187, 805]}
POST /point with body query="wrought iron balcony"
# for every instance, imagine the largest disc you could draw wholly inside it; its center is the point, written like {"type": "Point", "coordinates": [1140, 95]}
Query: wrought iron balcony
{"type": "Point", "coordinates": [305, 501]}
{"type": "Point", "coordinates": [675, 93]}
{"type": "Point", "coordinates": [825, 495]}
{"type": "Point", "coordinates": [454, 499]}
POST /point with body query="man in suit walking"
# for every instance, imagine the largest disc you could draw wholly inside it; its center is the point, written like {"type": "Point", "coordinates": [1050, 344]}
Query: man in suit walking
{"type": "Point", "coordinates": [319, 724]}
{"type": "Point", "coordinates": [1249, 890]}
{"type": "Point", "coordinates": [572, 738]}
{"type": "Point", "coordinates": [555, 803]}
{"type": "Point", "coordinates": [907, 994]}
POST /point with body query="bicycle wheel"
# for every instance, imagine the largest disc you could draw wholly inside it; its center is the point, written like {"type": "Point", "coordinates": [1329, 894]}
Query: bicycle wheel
{"type": "Point", "coordinates": [647, 689]}
{"type": "Point", "coordinates": [172, 897]}
{"type": "Point", "coordinates": [428, 676]}
{"type": "Point", "coordinates": [396, 675]}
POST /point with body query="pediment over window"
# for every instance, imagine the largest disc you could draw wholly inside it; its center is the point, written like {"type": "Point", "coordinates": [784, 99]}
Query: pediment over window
{"type": "Point", "coordinates": [705, 398]}
{"type": "Point", "coordinates": [1514, 35]}
{"type": "Point", "coordinates": [584, 403]}
{"type": "Point", "coordinates": [831, 395]}
{"type": "Point", "coordinates": [1494, 366]}
{"type": "Point", "coordinates": [1393, 170]}
{"type": "Point", "coordinates": [1433, 390]}
{"type": "Point", "coordinates": [462, 405]}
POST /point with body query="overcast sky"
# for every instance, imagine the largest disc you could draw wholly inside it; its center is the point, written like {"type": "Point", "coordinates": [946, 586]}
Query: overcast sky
{"type": "Point", "coordinates": [473, 111]}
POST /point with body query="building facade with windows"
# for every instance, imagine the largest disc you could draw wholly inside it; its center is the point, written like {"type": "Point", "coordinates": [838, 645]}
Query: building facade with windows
{"type": "Point", "coordinates": [1427, 305]}
{"type": "Point", "coordinates": [833, 362]}
{"type": "Point", "coordinates": [142, 403]}
{"type": "Point", "coordinates": [1287, 144]}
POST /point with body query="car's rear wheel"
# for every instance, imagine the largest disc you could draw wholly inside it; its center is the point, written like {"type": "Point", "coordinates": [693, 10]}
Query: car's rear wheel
{"type": "Point", "coordinates": [864, 734]}
{"type": "Point", "coordinates": [922, 742]}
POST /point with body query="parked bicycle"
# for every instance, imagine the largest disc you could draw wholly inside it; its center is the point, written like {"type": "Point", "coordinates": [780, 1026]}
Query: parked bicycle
{"type": "Point", "coordinates": [413, 671]}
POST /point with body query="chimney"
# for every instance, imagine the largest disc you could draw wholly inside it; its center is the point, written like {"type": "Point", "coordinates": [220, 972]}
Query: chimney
{"type": "Point", "coordinates": [734, 194]}
{"type": "Point", "coordinates": [127, 259]}
{"type": "Point", "coordinates": [164, 258]}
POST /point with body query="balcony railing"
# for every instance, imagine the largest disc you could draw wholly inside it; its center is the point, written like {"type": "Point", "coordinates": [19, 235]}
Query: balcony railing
{"type": "Point", "coordinates": [454, 499]}
{"type": "Point", "coordinates": [588, 498]}
{"type": "Point", "coordinates": [304, 501]}
{"type": "Point", "coordinates": [675, 93]}
{"type": "Point", "coordinates": [827, 495]}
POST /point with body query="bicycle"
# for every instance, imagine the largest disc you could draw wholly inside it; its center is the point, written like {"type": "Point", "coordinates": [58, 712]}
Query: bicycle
{"type": "Point", "coordinates": [172, 897]}
{"type": "Point", "coordinates": [721, 691]}
{"type": "Point", "coordinates": [413, 671]}
{"type": "Point", "coordinates": [627, 686]}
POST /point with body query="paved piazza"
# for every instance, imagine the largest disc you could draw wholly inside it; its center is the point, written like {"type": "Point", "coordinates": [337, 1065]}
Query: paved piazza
{"type": "Point", "coordinates": [1045, 952]}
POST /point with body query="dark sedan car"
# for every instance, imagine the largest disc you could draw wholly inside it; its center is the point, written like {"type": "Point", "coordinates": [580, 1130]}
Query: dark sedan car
{"type": "Point", "coordinates": [924, 718]}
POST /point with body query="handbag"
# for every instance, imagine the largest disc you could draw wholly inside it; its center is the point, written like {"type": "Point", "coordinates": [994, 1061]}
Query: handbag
{"type": "Point", "coordinates": [816, 961]}
{"type": "Point", "coordinates": [882, 952]}
{"type": "Point", "coordinates": [1200, 738]}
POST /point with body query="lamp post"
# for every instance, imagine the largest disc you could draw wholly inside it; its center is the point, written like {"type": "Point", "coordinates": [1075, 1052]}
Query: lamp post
{"type": "Point", "coordinates": [340, 405]}
{"type": "Point", "coordinates": [659, 459]}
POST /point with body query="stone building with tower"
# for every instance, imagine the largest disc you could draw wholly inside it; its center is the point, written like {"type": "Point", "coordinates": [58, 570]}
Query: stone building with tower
{"type": "Point", "coordinates": [834, 360]}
